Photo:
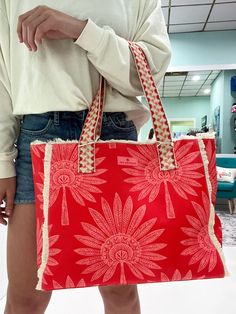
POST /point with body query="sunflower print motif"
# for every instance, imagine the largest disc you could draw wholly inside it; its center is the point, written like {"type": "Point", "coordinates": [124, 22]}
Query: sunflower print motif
{"type": "Point", "coordinates": [51, 261]}
{"type": "Point", "coordinates": [121, 238]}
{"type": "Point", "coordinates": [148, 180]}
{"type": "Point", "coordinates": [69, 283]}
{"type": "Point", "coordinates": [64, 178]}
{"type": "Point", "coordinates": [199, 244]}
{"type": "Point", "coordinates": [176, 276]}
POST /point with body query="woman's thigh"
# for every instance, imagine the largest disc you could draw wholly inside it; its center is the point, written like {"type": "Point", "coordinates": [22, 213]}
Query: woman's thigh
{"type": "Point", "coordinates": [22, 257]}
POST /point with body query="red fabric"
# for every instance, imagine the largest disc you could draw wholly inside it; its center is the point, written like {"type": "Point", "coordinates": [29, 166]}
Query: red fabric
{"type": "Point", "coordinates": [128, 222]}
{"type": "Point", "coordinates": [211, 156]}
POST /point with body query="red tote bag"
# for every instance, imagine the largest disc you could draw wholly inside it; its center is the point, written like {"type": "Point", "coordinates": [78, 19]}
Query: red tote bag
{"type": "Point", "coordinates": [124, 212]}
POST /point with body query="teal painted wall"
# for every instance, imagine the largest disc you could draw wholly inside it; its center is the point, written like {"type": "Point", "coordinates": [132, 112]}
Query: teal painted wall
{"type": "Point", "coordinates": [217, 99]}
{"type": "Point", "coordinates": [221, 96]}
{"type": "Point", "coordinates": [182, 107]}
{"type": "Point", "coordinates": [203, 48]}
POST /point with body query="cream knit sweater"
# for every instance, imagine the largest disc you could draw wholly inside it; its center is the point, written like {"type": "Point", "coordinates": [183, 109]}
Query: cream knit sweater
{"type": "Point", "coordinates": [63, 75]}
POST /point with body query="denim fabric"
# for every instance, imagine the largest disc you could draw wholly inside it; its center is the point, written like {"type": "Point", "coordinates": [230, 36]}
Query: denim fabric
{"type": "Point", "coordinates": [64, 125]}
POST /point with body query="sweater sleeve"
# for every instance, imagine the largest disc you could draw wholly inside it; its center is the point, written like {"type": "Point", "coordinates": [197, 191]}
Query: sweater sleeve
{"type": "Point", "coordinates": [9, 125]}
{"type": "Point", "coordinates": [111, 56]}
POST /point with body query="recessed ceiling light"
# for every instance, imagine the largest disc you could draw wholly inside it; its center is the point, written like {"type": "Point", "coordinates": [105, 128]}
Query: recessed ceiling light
{"type": "Point", "coordinates": [207, 91]}
{"type": "Point", "coordinates": [196, 78]}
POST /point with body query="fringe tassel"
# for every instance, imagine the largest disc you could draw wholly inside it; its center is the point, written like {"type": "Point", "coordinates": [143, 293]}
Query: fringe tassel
{"type": "Point", "coordinates": [212, 210]}
{"type": "Point", "coordinates": [45, 240]}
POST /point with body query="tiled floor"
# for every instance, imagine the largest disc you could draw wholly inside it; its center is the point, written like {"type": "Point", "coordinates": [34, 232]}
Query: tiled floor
{"type": "Point", "coordinates": [215, 296]}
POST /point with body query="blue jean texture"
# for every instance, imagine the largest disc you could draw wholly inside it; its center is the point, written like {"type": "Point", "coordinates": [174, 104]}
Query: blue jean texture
{"type": "Point", "coordinates": [67, 126]}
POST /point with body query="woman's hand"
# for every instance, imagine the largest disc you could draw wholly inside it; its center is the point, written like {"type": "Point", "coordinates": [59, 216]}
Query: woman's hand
{"type": "Point", "coordinates": [7, 191]}
{"type": "Point", "coordinates": [44, 22]}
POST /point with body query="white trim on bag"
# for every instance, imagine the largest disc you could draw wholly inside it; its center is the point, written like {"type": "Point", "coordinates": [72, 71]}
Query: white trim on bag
{"type": "Point", "coordinates": [45, 239]}
{"type": "Point", "coordinates": [211, 223]}
{"type": "Point", "coordinates": [47, 166]}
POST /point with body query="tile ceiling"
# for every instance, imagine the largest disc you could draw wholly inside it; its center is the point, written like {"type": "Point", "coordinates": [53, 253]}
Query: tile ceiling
{"type": "Point", "coordinates": [199, 15]}
{"type": "Point", "coordinates": [178, 84]}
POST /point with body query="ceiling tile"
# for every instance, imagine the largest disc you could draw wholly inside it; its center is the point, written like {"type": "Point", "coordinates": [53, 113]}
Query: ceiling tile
{"type": "Point", "coordinates": [220, 26]}
{"type": "Point", "coordinates": [175, 78]}
{"type": "Point", "coordinates": [174, 89]}
{"type": "Point", "coordinates": [180, 15]}
{"type": "Point", "coordinates": [188, 95]}
{"type": "Point", "coordinates": [176, 83]}
{"type": "Point", "coordinates": [220, 1]}
{"type": "Point", "coordinates": [199, 73]}
{"type": "Point", "coordinates": [186, 87]}
{"type": "Point", "coordinates": [171, 93]}
{"type": "Point", "coordinates": [194, 83]}
{"type": "Point", "coordinates": [202, 77]}
{"type": "Point", "coordinates": [206, 87]}
{"type": "Point", "coordinates": [186, 28]}
{"type": "Point", "coordinates": [164, 3]}
{"type": "Point", "coordinates": [213, 76]}
{"type": "Point", "coordinates": [189, 2]}
{"type": "Point", "coordinates": [165, 96]}
{"type": "Point", "coordinates": [202, 94]}
{"type": "Point", "coordinates": [188, 92]}
{"type": "Point", "coordinates": [223, 12]}
{"type": "Point", "coordinates": [209, 81]}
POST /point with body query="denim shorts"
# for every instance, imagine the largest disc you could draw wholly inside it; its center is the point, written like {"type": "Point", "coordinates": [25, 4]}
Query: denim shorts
{"type": "Point", "coordinates": [67, 126]}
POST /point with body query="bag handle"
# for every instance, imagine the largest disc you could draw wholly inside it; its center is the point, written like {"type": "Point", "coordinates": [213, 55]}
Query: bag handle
{"type": "Point", "coordinates": [92, 126]}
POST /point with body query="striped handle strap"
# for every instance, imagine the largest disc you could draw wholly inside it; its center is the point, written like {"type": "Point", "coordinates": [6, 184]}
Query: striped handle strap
{"type": "Point", "coordinates": [160, 124]}
{"type": "Point", "coordinates": [91, 131]}
{"type": "Point", "coordinates": [92, 126]}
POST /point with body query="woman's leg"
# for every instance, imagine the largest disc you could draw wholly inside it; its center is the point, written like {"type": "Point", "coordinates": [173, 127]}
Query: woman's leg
{"type": "Point", "coordinates": [22, 298]}
{"type": "Point", "coordinates": [120, 299]}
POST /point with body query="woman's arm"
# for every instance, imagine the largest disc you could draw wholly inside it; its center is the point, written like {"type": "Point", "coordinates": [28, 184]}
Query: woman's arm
{"type": "Point", "coordinates": [111, 56]}
{"type": "Point", "coordinates": [108, 52]}
{"type": "Point", "coordinates": [9, 124]}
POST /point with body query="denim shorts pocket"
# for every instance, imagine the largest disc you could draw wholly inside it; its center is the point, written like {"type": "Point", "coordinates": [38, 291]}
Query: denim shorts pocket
{"type": "Point", "coordinates": [118, 121]}
{"type": "Point", "coordinates": [35, 124]}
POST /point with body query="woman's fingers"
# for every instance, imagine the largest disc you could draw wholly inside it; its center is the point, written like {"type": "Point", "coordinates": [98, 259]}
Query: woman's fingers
{"type": "Point", "coordinates": [28, 23]}
{"type": "Point", "coordinates": [7, 195]}
{"type": "Point", "coordinates": [9, 202]}
{"type": "Point", "coordinates": [20, 21]}
{"type": "Point", "coordinates": [41, 30]}
{"type": "Point", "coordinates": [2, 221]}
{"type": "Point", "coordinates": [2, 209]}
{"type": "Point", "coordinates": [32, 28]}
{"type": "Point", "coordinates": [44, 22]}
{"type": "Point", "coordinates": [29, 27]}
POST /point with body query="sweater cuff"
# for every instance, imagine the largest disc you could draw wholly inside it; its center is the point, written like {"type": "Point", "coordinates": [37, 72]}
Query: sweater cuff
{"type": "Point", "coordinates": [90, 37]}
{"type": "Point", "coordinates": [7, 169]}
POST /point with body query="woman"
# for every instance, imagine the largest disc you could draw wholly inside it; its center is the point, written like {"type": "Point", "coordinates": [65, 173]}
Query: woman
{"type": "Point", "coordinates": [50, 60]}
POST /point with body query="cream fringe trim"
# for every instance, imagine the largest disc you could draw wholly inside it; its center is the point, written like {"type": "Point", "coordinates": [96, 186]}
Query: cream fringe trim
{"type": "Point", "coordinates": [184, 137]}
{"type": "Point", "coordinates": [212, 210]}
{"type": "Point", "coordinates": [45, 240]}
{"type": "Point", "coordinates": [47, 164]}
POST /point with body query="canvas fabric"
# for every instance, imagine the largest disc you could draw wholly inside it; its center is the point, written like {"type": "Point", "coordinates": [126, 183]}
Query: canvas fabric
{"type": "Point", "coordinates": [123, 212]}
